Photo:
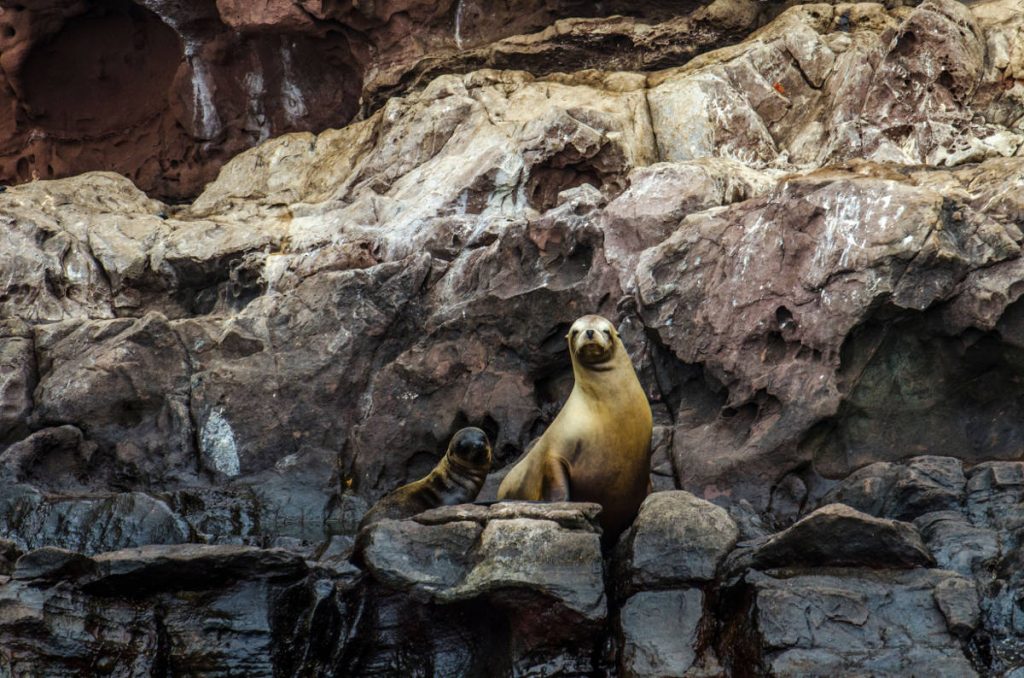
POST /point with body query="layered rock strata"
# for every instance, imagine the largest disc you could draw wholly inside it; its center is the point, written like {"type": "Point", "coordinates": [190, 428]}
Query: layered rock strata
{"type": "Point", "coordinates": [809, 240]}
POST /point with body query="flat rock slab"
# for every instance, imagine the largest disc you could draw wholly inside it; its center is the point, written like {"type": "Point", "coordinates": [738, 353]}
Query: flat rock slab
{"type": "Point", "coordinates": [836, 535]}
{"type": "Point", "coordinates": [149, 569]}
{"type": "Point", "coordinates": [862, 622]}
{"type": "Point", "coordinates": [570, 515]}
{"type": "Point", "coordinates": [464, 552]}
{"type": "Point", "coordinates": [50, 564]}
{"type": "Point", "coordinates": [188, 566]}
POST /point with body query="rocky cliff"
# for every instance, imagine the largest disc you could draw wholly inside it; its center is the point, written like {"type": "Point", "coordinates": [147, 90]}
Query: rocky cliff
{"type": "Point", "coordinates": [805, 220]}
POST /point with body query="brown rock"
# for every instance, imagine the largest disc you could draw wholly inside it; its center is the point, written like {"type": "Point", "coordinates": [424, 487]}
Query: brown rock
{"type": "Point", "coordinates": [836, 535]}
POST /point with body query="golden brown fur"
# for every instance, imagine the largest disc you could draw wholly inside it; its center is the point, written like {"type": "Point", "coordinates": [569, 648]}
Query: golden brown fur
{"type": "Point", "coordinates": [598, 448]}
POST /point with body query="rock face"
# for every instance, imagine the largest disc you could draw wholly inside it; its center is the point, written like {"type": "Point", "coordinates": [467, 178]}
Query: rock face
{"type": "Point", "coordinates": [806, 224]}
{"type": "Point", "coordinates": [165, 92]}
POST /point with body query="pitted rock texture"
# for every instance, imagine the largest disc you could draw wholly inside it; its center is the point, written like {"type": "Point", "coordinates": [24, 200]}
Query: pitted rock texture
{"type": "Point", "coordinates": [878, 623]}
{"type": "Point", "coordinates": [809, 240]}
{"type": "Point", "coordinates": [530, 550]}
{"type": "Point", "coordinates": [165, 92]}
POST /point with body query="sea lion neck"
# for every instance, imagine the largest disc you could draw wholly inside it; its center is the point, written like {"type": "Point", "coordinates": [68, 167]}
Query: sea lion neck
{"type": "Point", "coordinates": [594, 378]}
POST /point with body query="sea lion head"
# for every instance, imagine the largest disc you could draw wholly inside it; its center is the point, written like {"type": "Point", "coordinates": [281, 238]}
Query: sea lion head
{"type": "Point", "coordinates": [470, 447]}
{"type": "Point", "coordinates": [592, 340]}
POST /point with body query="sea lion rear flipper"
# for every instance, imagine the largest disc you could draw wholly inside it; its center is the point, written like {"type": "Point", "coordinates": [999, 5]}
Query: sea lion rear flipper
{"type": "Point", "coordinates": [556, 480]}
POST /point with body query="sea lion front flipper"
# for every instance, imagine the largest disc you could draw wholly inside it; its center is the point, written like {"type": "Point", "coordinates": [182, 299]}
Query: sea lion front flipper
{"type": "Point", "coordinates": [556, 480]}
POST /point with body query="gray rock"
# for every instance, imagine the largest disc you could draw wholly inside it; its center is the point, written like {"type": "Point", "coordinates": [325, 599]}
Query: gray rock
{"type": "Point", "coordinates": [882, 623]}
{"type": "Point", "coordinates": [956, 544]}
{"type": "Point", "coordinates": [428, 559]}
{"type": "Point", "coordinates": [87, 524]}
{"type": "Point", "coordinates": [186, 566]}
{"type": "Point", "coordinates": [995, 492]}
{"type": "Point", "coordinates": [9, 553]}
{"type": "Point", "coordinates": [50, 564]}
{"type": "Point", "coordinates": [676, 539]}
{"type": "Point", "coordinates": [204, 610]}
{"type": "Point", "coordinates": [659, 632]}
{"type": "Point", "coordinates": [903, 491]}
{"type": "Point", "coordinates": [836, 535]}
{"type": "Point", "coordinates": [507, 549]}
{"type": "Point", "coordinates": [958, 600]}
{"type": "Point", "coordinates": [17, 378]}
{"type": "Point", "coordinates": [570, 515]}
{"type": "Point", "coordinates": [56, 458]}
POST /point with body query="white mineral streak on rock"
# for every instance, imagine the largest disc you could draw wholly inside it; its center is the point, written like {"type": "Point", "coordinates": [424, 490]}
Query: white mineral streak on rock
{"type": "Point", "coordinates": [206, 122]}
{"type": "Point", "coordinates": [292, 100]}
{"type": "Point", "coordinates": [255, 88]}
{"type": "Point", "coordinates": [204, 114]}
{"type": "Point", "coordinates": [459, 8]}
{"type": "Point", "coordinates": [218, 444]}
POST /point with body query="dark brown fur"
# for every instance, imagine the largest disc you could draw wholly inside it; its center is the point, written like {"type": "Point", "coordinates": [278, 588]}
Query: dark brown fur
{"type": "Point", "coordinates": [456, 479]}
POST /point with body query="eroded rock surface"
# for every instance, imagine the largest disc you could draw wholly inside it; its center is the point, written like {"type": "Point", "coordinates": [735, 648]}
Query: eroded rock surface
{"type": "Point", "coordinates": [810, 241]}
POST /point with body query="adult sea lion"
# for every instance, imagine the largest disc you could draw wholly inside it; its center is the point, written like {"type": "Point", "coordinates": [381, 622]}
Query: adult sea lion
{"type": "Point", "coordinates": [456, 479]}
{"type": "Point", "coordinates": [598, 448]}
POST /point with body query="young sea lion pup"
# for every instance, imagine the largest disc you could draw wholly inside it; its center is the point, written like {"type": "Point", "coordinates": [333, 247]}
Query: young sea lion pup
{"type": "Point", "coordinates": [456, 479]}
{"type": "Point", "coordinates": [598, 448]}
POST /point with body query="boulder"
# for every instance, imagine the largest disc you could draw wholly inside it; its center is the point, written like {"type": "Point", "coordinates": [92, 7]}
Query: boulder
{"type": "Point", "coordinates": [903, 491]}
{"type": "Point", "coordinates": [445, 557]}
{"type": "Point", "coordinates": [836, 535]}
{"type": "Point", "coordinates": [89, 525]}
{"type": "Point", "coordinates": [677, 539]}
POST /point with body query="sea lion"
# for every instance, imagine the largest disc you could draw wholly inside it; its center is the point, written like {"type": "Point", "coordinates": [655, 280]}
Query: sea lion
{"type": "Point", "coordinates": [456, 479]}
{"type": "Point", "coordinates": [598, 448]}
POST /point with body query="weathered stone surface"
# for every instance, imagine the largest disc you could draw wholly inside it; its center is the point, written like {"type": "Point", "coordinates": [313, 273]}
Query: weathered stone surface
{"type": "Point", "coordinates": [203, 610]}
{"type": "Point", "coordinates": [957, 544]}
{"type": "Point", "coordinates": [659, 632]}
{"type": "Point", "coordinates": [9, 554]}
{"type": "Point", "coordinates": [677, 539]}
{"type": "Point", "coordinates": [836, 535]}
{"type": "Point", "coordinates": [958, 600]}
{"type": "Point", "coordinates": [108, 521]}
{"type": "Point", "coordinates": [51, 565]}
{"type": "Point", "coordinates": [885, 623]}
{"type": "Point", "coordinates": [178, 87]}
{"type": "Point", "coordinates": [184, 566]}
{"type": "Point", "coordinates": [17, 379]}
{"type": "Point", "coordinates": [809, 240]}
{"type": "Point", "coordinates": [995, 491]}
{"type": "Point", "coordinates": [903, 491]}
{"type": "Point", "coordinates": [56, 458]}
{"type": "Point", "coordinates": [462, 559]}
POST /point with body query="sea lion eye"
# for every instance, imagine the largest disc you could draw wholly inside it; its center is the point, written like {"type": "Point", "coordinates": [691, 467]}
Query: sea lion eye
{"type": "Point", "coordinates": [608, 333]}
{"type": "Point", "coordinates": [575, 332]}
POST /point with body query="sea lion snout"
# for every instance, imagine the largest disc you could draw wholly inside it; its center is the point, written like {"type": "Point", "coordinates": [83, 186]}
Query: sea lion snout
{"type": "Point", "coordinates": [471, 445]}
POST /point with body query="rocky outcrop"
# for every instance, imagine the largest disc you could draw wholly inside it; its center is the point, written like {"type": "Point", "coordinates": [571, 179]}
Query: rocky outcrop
{"type": "Point", "coordinates": [888, 624]}
{"type": "Point", "coordinates": [165, 92]}
{"type": "Point", "coordinates": [809, 241]}
{"type": "Point", "coordinates": [504, 589]}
